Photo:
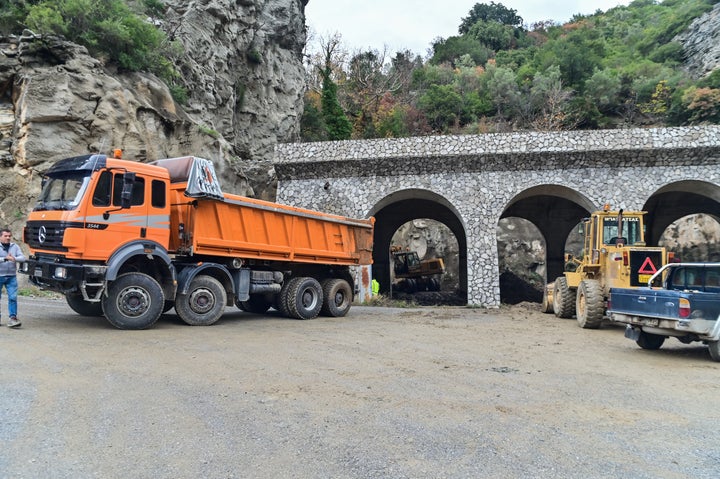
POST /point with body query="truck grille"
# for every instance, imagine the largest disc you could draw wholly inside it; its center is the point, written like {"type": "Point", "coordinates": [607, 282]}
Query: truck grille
{"type": "Point", "coordinates": [47, 235]}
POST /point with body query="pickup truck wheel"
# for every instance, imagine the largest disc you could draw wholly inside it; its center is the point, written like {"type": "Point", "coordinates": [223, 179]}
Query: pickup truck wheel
{"type": "Point", "coordinates": [714, 348]}
{"type": "Point", "coordinates": [304, 298]}
{"type": "Point", "coordinates": [204, 302]}
{"type": "Point", "coordinates": [337, 296]}
{"type": "Point", "coordinates": [590, 304]}
{"type": "Point", "coordinates": [84, 308]}
{"type": "Point", "coordinates": [256, 304]}
{"type": "Point", "coordinates": [563, 299]}
{"type": "Point", "coordinates": [650, 341]}
{"type": "Point", "coordinates": [133, 301]}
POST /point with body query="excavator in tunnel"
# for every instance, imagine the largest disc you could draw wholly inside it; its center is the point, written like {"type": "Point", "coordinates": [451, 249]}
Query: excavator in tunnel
{"type": "Point", "coordinates": [413, 274]}
{"type": "Point", "coordinates": [614, 254]}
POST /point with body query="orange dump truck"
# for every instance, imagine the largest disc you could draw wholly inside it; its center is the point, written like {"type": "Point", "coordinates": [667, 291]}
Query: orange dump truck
{"type": "Point", "coordinates": [130, 241]}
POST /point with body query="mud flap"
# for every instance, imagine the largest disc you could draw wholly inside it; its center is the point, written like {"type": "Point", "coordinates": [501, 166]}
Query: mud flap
{"type": "Point", "coordinates": [632, 332]}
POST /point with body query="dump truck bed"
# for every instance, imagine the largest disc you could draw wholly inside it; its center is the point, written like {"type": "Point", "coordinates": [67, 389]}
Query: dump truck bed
{"type": "Point", "coordinates": [241, 227]}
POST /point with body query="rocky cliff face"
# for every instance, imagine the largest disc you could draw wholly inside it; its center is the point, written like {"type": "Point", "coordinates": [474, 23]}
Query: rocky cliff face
{"type": "Point", "coordinates": [243, 71]}
{"type": "Point", "coordinates": [701, 43]}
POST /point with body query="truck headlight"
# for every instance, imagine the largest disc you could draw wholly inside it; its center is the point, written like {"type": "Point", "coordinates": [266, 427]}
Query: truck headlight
{"type": "Point", "coordinates": [60, 272]}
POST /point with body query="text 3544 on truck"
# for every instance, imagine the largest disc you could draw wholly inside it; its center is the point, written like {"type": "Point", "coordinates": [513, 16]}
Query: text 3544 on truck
{"type": "Point", "coordinates": [130, 241]}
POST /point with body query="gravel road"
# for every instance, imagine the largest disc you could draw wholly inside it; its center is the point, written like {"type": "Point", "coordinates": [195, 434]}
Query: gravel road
{"type": "Point", "coordinates": [447, 392]}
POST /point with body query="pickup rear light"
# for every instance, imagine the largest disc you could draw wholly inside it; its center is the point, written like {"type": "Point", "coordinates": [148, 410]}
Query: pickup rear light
{"type": "Point", "coordinates": [626, 260]}
{"type": "Point", "coordinates": [684, 308]}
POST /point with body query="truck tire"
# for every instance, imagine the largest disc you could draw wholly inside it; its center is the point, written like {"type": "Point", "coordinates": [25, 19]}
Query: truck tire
{"type": "Point", "coordinates": [590, 304]}
{"type": "Point", "coordinates": [650, 341]}
{"type": "Point", "coordinates": [714, 348]}
{"type": "Point", "coordinates": [337, 297]}
{"type": "Point", "coordinates": [563, 299]}
{"type": "Point", "coordinates": [84, 308]}
{"type": "Point", "coordinates": [133, 301]}
{"type": "Point", "coordinates": [204, 302]}
{"type": "Point", "coordinates": [304, 298]}
{"type": "Point", "coordinates": [281, 300]}
{"type": "Point", "coordinates": [257, 304]}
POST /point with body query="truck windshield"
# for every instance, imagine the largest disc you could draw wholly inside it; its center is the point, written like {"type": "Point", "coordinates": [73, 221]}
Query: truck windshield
{"type": "Point", "coordinates": [63, 192]}
{"type": "Point", "coordinates": [631, 232]}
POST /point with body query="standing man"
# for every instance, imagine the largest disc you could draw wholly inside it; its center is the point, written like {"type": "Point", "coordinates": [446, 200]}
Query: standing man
{"type": "Point", "coordinates": [10, 254]}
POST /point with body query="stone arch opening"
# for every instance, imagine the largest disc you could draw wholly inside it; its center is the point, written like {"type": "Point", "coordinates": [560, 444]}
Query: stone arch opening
{"type": "Point", "coordinates": [555, 210]}
{"type": "Point", "coordinates": [679, 207]}
{"type": "Point", "coordinates": [403, 206]}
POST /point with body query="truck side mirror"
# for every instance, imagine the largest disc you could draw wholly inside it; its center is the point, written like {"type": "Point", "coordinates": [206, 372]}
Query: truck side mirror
{"type": "Point", "coordinates": [127, 189]}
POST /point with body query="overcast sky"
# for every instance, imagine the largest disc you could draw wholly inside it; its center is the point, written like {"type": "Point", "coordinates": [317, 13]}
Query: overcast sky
{"type": "Point", "coordinates": [414, 24]}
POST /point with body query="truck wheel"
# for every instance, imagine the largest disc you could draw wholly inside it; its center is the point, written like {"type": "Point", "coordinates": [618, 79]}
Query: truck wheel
{"type": "Point", "coordinates": [590, 304]}
{"type": "Point", "coordinates": [337, 296]}
{"type": "Point", "coordinates": [304, 298]}
{"type": "Point", "coordinates": [563, 299]}
{"type": "Point", "coordinates": [256, 304]}
{"type": "Point", "coordinates": [133, 301]}
{"type": "Point", "coordinates": [82, 307]}
{"type": "Point", "coordinates": [650, 341]}
{"type": "Point", "coordinates": [281, 300]}
{"type": "Point", "coordinates": [714, 348]}
{"type": "Point", "coordinates": [204, 302]}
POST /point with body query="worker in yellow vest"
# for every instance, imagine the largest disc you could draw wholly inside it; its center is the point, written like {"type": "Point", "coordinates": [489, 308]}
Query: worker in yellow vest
{"type": "Point", "coordinates": [375, 286]}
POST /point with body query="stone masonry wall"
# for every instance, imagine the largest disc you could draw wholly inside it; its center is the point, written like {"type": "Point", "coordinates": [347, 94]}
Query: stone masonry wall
{"type": "Point", "coordinates": [480, 175]}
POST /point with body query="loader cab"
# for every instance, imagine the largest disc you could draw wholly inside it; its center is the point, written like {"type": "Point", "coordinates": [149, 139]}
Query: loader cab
{"type": "Point", "coordinates": [607, 229]}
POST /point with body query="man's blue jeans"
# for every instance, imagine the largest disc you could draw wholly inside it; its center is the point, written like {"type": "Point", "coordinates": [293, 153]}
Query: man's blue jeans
{"type": "Point", "coordinates": [11, 285]}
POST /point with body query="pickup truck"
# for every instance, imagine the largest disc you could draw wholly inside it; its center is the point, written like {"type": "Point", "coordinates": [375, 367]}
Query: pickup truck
{"type": "Point", "coordinates": [686, 306]}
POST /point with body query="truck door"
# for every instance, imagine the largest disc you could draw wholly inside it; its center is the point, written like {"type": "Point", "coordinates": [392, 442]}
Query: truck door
{"type": "Point", "coordinates": [146, 218]}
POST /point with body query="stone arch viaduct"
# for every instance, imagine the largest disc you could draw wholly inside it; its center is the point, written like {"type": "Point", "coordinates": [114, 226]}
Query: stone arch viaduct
{"type": "Point", "coordinates": [471, 182]}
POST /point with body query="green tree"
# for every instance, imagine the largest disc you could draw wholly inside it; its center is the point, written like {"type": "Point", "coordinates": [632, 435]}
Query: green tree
{"type": "Point", "coordinates": [504, 92]}
{"type": "Point", "coordinates": [494, 35]}
{"type": "Point", "coordinates": [451, 49]}
{"type": "Point", "coordinates": [442, 105]}
{"type": "Point", "coordinates": [492, 12]}
{"type": "Point", "coordinates": [603, 87]}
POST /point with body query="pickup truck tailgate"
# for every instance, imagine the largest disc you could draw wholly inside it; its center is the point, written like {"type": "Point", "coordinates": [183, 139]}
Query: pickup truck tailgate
{"type": "Point", "coordinates": [662, 303]}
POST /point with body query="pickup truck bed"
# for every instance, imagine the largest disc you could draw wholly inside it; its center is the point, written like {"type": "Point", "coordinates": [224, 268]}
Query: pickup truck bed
{"type": "Point", "coordinates": [687, 307]}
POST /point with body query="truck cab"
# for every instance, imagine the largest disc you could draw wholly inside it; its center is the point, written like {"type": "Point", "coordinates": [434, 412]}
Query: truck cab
{"type": "Point", "coordinates": [91, 209]}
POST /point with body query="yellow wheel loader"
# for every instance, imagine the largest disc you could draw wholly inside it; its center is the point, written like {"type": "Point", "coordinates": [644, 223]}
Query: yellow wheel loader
{"type": "Point", "coordinates": [614, 255]}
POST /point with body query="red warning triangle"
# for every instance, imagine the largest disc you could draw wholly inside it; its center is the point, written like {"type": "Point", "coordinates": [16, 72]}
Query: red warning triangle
{"type": "Point", "coordinates": [647, 267]}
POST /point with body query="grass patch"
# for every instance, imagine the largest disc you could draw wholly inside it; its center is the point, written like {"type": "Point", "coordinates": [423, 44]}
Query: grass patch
{"type": "Point", "coordinates": [35, 292]}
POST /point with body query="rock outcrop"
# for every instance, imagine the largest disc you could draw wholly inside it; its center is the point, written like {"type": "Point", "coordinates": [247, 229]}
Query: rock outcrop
{"type": "Point", "coordinates": [701, 44]}
{"type": "Point", "coordinates": [243, 71]}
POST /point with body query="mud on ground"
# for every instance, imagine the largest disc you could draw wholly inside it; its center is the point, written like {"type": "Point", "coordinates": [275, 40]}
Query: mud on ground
{"type": "Point", "coordinates": [449, 392]}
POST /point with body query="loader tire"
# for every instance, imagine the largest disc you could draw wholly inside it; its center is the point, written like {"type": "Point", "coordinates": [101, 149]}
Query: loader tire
{"type": "Point", "coordinates": [547, 304]}
{"type": "Point", "coordinates": [133, 301]}
{"type": "Point", "coordinates": [337, 297]}
{"type": "Point", "coordinates": [563, 299]}
{"type": "Point", "coordinates": [590, 304]}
